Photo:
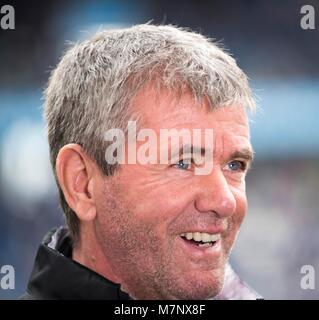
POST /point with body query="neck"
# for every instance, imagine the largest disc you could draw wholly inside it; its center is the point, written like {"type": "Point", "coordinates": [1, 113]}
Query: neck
{"type": "Point", "coordinates": [89, 253]}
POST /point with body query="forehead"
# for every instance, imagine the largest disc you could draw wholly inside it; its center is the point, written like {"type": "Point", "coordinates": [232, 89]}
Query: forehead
{"type": "Point", "coordinates": [165, 110]}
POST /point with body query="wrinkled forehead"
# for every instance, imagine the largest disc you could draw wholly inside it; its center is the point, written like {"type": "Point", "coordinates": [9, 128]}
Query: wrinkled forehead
{"type": "Point", "coordinates": [166, 109]}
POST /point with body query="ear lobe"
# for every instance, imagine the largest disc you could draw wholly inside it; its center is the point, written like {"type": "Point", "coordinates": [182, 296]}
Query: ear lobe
{"type": "Point", "coordinates": [75, 173]}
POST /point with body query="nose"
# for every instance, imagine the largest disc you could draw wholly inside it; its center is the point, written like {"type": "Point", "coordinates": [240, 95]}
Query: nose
{"type": "Point", "coordinates": [215, 195]}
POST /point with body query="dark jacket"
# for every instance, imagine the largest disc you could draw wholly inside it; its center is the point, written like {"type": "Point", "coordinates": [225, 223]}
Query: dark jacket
{"type": "Point", "coordinates": [56, 276]}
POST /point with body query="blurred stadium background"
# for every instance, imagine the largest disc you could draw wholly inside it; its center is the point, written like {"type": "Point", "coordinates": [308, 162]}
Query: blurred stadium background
{"type": "Point", "coordinates": [281, 232]}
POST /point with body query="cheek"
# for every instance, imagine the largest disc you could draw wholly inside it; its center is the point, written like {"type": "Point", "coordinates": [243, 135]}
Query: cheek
{"type": "Point", "coordinates": [160, 203]}
{"type": "Point", "coordinates": [241, 207]}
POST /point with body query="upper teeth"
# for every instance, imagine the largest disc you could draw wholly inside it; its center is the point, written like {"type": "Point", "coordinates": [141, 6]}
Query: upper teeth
{"type": "Point", "coordinates": [201, 236]}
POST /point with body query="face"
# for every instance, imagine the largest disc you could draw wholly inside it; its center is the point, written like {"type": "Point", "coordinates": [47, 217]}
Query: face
{"type": "Point", "coordinates": [153, 220]}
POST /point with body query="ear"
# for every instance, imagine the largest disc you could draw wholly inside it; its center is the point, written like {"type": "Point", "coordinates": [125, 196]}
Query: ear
{"type": "Point", "coordinates": [75, 173]}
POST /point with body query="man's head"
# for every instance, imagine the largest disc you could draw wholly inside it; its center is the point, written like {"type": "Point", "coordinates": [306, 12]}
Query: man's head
{"type": "Point", "coordinates": [139, 224]}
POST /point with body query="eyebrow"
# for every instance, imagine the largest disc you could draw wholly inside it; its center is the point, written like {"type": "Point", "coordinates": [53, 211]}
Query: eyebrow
{"type": "Point", "coordinates": [246, 153]}
{"type": "Point", "coordinates": [193, 150]}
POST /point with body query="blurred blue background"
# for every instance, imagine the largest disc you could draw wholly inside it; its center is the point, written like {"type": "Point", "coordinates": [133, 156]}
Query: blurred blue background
{"type": "Point", "coordinates": [281, 232]}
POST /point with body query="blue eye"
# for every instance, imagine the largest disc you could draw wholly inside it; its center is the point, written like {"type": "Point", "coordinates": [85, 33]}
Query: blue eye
{"type": "Point", "coordinates": [183, 164]}
{"type": "Point", "coordinates": [237, 165]}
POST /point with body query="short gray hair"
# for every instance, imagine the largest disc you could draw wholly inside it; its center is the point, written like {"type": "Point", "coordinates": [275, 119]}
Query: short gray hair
{"type": "Point", "coordinates": [90, 90]}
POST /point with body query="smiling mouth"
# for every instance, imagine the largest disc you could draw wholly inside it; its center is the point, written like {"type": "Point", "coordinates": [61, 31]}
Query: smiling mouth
{"type": "Point", "coordinates": [201, 239]}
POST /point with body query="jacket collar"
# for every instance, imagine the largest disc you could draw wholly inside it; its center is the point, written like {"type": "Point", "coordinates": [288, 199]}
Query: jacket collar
{"type": "Point", "coordinates": [56, 276]}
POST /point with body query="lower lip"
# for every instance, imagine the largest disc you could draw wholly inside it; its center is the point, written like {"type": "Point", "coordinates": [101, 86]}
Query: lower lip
{"type": "Point", "coordinates": [201, 252]}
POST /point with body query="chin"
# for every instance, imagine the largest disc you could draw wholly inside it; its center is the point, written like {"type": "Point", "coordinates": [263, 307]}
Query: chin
{"type": "Point", "coordinates": [200, 287]}
{"type": "Point", "coordinates": [201, 292]}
